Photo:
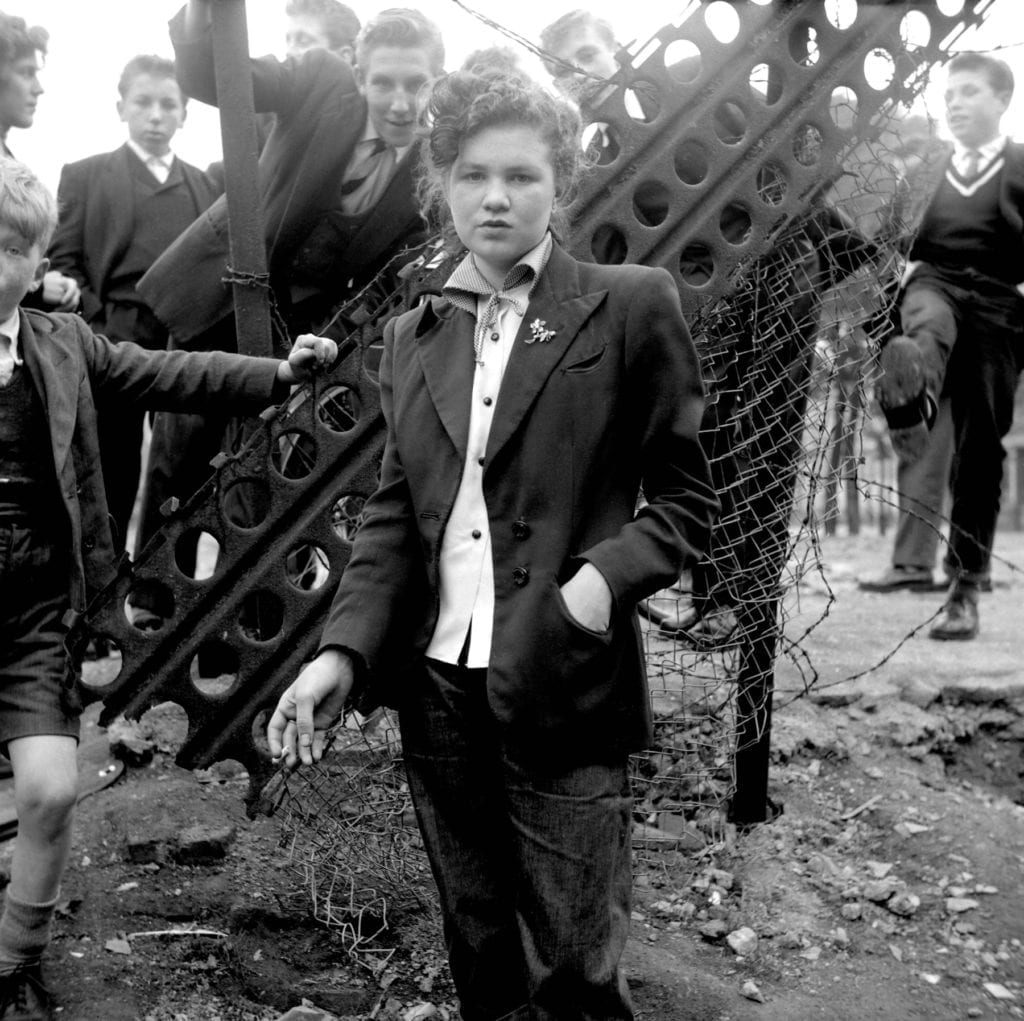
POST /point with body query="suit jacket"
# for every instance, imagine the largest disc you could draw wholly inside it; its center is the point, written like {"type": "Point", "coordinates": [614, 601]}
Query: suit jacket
{"type": "Point", "coordinates": [613, 399]}
{"type": "Point", "coordinates": [71, 367]}
{"type": "Point", "coordinates": [97, 221]}
{"type": "Point", "coordinates": [320, 116]}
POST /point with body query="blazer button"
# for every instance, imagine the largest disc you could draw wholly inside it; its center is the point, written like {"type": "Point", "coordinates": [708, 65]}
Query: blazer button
{"type": "Point", "coordinates": [520, 576]}
{"type": "Point", "coordinates": [520, 529]}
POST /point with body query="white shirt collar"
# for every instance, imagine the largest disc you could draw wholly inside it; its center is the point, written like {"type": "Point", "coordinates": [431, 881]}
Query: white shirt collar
{"type": "Point", "coordinates": [988, 151]}
{"type": "Point", "coordinates": [370, 133]}
{"type": "Point", "coordinates": [10, 328]}
{"type": "Point", "coordinates": [147, 157]}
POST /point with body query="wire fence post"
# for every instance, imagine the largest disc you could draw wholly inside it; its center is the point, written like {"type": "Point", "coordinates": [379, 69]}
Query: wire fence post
{"type": "Point", "coordinates": [248, 268]}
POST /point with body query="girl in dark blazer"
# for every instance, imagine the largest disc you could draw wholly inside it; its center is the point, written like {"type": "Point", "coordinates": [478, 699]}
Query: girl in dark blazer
{"type": "Point", "coordinates": [491, 592]}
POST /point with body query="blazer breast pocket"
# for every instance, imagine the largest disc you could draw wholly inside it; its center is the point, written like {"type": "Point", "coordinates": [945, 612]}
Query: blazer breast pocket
{"type": "Point", "coordinates": [586, 361]}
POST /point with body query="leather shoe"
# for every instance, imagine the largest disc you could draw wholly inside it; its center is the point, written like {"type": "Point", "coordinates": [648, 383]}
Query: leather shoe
{"type": "Point", "coordinates": [899, 577]}
{"type": "Point", "coordinates": [23, 997]}
{"type": "Point", "coordinates": [959, 620]}
{"type": "Point", "coordinates": [714, 628]}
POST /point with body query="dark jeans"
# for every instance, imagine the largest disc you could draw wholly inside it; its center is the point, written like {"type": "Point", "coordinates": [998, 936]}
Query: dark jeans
{"type": "Point", "coordinates": [532, 862]}
{"type": "Point", "coordinates": [980, 323]}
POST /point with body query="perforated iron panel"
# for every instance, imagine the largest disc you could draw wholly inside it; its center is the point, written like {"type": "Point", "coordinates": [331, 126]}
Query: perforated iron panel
{"type": "Point", "coordinates": [708, 175]}
{"type": "Point", "coordinates": [722, 144]}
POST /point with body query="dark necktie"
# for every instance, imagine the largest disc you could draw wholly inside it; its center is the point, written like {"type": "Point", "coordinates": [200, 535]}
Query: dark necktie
{"type": "Point", "coordinates": [365, 167]}
{"type": "Point", "coordinates": [972, 158]}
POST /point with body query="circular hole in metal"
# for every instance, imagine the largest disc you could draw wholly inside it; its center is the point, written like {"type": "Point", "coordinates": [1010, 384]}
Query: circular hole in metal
{"type": "Point", "coordinates": [261, 616]}
{"type": "Point", "coordinates": [651, 202]}
{"type": "Point", "coordinates": [807, 145]}
{"type": "Point", "coordinates": [106, 657]}
{"type": "Point", "coordinates": [766, 83]}
{"type": "Point", "coordinates": [730, 122]}
{"type": "Point", "coordinates": [214, 668]}
{"type": "Point", "coordinates": [683, 60]}
{"type": "Point", "coordinates": [643, 101]}
{"type": "Point", "coordinates": [347, 515]}
{"type": "Point", "coordinates": [149, 605]}
{"type": "Point", "coordinates": [691, 162]}
{"type": "Point", "coordinates": [735, 224]}
{"type": "Point", "coordinates": [915, 30]}
{"type": "Point", "coordinates": [697, 265]}
{"type": "Point", "coordinates": [803, 44]}
{"type": "Point", "coordinates": [841, 13]}
{"type": "Point", "coordinates": [950, 7]}
{"type": "Point", "coordinates": [771, 184]}
{"type": "Point", "coordinates": [879, 69]}
{"type": "Point", "coordinates": [842, 107]}
{"type": "Point", "coordinates": [258, 730]}
{"type": "Point", "coordinates": [600, 143]}
{"type": "Point", "coordinates": [723, 21]}
{"type": "Point", "coordinates": [196, 553]}
{"type": "Point", "coordinates": [294, 454]}
{"type": "Point", "coordinates": [609, 245]}
{"type": "Point", "coordinates": [306, 567]}
{"type": "Point", "coordinates": [339, 409]}
{"type": "Point", "coordinates": [246, 503]}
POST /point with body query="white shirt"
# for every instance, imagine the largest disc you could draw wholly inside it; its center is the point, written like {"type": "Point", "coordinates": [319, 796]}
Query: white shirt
{"type": "Point", "coordinates": [158, 166]}
{"type": "Point", "coordinates": [466, 566]}
{"type": "Point", "coordinates": [987, 153]}
{"type": "Point", "coordinates": [9, 353]}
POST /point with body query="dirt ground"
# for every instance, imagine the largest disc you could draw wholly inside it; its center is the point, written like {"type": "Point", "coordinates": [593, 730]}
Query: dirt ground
{"type": "Point", "coordinates": [890, 886]}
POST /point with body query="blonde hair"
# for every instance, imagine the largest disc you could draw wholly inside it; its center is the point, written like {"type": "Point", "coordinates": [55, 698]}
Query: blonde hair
{"type": "Point", "coordinates": [26, 204]}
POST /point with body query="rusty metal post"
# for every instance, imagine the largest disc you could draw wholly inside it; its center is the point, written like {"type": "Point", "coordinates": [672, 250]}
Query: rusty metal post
{"type": "Point", "coordinates": [248, 266]}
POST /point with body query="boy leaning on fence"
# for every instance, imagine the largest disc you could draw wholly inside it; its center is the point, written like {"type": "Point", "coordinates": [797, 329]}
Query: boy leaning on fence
{"type": "Point", "coordinates": [56, 547]}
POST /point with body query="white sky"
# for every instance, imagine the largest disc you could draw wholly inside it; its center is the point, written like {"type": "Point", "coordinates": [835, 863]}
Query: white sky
{"type": "Point", "coordinates": [91, 40]}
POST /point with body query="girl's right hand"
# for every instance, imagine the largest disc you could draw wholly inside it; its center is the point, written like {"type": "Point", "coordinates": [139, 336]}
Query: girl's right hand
{"type": "Point", "coordinates": [312, 702]}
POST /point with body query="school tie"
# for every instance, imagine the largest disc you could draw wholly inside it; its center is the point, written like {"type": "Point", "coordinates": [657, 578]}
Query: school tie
{"type": "Point", "coordinates": [371, 164]}
{"type": "Point", "coordinates": [972, 158]}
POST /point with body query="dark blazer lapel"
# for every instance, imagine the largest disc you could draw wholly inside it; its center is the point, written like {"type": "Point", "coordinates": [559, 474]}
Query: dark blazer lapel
{"type": "Point", "coordinates": [46, 368]}
{"type": "Point", "coordinates": [445, 348]}
{"type": "Point", "coordinates": [557, 305]}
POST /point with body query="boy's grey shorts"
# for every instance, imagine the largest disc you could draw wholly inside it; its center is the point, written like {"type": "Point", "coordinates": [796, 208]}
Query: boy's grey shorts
{"type": "Point", "coordinates": [34, 664]}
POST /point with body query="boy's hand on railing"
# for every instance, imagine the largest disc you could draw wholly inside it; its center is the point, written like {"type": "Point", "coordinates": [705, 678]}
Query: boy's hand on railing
{"type": "Point", "coordinates": [308, 355]}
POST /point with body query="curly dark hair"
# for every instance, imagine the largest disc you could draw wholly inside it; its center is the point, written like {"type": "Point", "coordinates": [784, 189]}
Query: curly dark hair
{"type": "Point", "coordinates": [463, 103]}
{"type": "Point", "coordinates": [17, 40]}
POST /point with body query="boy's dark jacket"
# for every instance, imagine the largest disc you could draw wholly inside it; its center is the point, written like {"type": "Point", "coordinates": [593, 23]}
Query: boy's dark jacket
{"type": "Point", "coordinates": [70, 365]}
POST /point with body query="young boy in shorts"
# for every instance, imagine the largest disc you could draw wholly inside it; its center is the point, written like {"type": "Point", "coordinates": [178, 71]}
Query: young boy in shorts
{"type": "Point", "coordinates": [56, 547]}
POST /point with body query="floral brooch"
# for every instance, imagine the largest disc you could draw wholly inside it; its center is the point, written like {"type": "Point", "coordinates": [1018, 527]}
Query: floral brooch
{"type": "Point", "coordinates": [538, 332]}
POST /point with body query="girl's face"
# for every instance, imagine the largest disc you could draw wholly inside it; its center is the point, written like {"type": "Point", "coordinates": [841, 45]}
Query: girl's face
{"type": "Point", "coordinates": [501, 190]}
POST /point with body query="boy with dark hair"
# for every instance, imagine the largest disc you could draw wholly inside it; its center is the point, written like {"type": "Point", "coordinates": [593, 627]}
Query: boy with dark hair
{"type": "Point", "coordinates": [327, 24]}
{"type": "Point", "coordinates": [338, 204]}
{"type": "Point", "coordinates": [962, 321]}
{"type": "Point", "coordinates": [57, 547]}
{"type": "Point", "coordinates": [22, 50]}
{"type": "Point", "coordinates": [119, 211]}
